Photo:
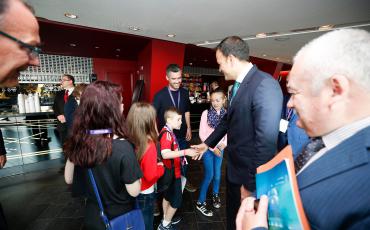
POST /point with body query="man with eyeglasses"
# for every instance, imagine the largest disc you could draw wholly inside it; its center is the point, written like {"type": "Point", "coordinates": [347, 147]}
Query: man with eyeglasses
{"type": "Point", "coordinates": [67, 84]}
{"type": "Point", "coordinates": [19, 37]}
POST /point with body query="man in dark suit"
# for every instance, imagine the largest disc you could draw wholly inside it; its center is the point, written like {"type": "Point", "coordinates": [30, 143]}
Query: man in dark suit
{"type": "Point", "coordinates": [330, 87]}
{"type": "Point", "coordinates": [251, 124]}
{"type": "Point", "coordinates": [67, 83]}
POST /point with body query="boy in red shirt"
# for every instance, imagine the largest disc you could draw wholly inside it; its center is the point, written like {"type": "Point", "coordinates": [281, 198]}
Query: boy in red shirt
{"type": "Point", "coordinates": [172, 197]}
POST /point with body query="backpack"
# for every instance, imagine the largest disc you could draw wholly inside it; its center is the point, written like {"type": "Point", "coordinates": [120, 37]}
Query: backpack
{"type": "Point", "coordinates": [164, 181]}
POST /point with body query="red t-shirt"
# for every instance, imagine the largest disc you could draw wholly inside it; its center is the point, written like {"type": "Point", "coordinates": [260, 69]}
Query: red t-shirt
{"type": "Point", "coordinates": [148, 164]}
{"type": "Point", "coordinates": [166, 143]}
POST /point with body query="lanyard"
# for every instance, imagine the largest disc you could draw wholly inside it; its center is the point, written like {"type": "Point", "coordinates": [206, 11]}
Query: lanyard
{"type": "Point", "coordinates": [183, 161]}
{"type": "Point", "coordinates": [173, 101]}
{"type": "Point", "coordinates": [290, 114]}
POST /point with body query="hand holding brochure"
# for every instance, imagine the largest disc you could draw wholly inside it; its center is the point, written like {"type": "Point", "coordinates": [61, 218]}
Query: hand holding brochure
{"type": "Point", "coordinates": [278, 181]}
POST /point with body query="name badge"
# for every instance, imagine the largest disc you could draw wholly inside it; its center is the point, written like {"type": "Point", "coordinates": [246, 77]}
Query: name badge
{"type": "Point", "coordinates": [283, 125]}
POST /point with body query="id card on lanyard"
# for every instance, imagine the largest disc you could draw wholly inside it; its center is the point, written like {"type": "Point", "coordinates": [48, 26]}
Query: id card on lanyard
{"type": "Point", "coordinates": [173, 100]}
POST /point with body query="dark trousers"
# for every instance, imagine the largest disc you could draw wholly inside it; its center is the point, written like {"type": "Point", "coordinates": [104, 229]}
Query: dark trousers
{"type": "Point", "coordinates": [3, 223]}
{"type": "Point", "coordinates": [232, 203]}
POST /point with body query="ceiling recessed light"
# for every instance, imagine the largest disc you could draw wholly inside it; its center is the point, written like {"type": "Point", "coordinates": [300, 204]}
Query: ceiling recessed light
{"type": "Point", "coordinates": [134, 28]}
{"type": "Point", "coordinates": [190, 63]}
{"type": "Point", "coordinates": [261, 35]}
{"type": "Point", "coordinates": [277, 58]}
{"type": "Point", "coordinates": [117, 55]}
{"type": "Point", "coordinates": [171, 35]}
{"type": "Point", "coordinates": [326, 27]}
{"type": "Point", "coordinates": [72, 45]}
{"type": "Point", "coordinates": [264, 55]}
{"type": "Point", "coordinates": [118, 50]}
{"type": "Point", "coordinates": [96, 47]}
{"type": "Point", "coordinates": [69, 15]}
{"type": "Point", "coordinates": [205, 60]}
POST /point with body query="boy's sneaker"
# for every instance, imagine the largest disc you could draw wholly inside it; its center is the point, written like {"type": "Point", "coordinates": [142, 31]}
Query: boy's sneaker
{"type": "Point", "coordinates": [216, 201]}
{"type": "Point", "coordinates": [175, 220]}
{"type": "Point", "coordinates": [168, 227]}
{"type": "Point", "coordinates": [202, 207]}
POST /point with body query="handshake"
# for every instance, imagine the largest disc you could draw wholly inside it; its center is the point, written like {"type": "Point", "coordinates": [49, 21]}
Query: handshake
{"type": "Point", "coordinates": [196, 151]}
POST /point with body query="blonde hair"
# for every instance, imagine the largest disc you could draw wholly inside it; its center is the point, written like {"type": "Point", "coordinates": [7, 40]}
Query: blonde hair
{"type": "Point", "coordinates": [141, 126]}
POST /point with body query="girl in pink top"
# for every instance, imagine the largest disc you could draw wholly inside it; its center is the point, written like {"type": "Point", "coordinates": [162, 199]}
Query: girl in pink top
{"type": "Point", "coordinates": [212, 159]}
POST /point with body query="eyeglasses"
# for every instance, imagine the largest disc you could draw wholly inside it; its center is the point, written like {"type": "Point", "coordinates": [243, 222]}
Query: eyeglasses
{"type": "Point", "coordinates": [33, 51]}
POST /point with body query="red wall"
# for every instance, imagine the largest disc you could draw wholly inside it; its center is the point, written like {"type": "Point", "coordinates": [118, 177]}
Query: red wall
{"type": "Point", "coordinates": [145, 66]}
{"type": "Point", "coordinates": [163, 53]}
{"type": "Point", "coordinates": [117, 71]}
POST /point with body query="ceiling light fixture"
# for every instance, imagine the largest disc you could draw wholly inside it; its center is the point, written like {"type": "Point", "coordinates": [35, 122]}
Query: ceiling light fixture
{"type": "Point", "coordinates": [281, 39]}
{"type": "Point", "coordinates": [72, 16]}
{"type": "Point", "coordinates": [134, 28]}
{"type": "Point", "coordinates": [326, 27]}
{"type": "Point", "coordinates": [118, 50]}
{"type": "Point", "coordinates": [72, 45]}
{"type": "Point", "coordinates": [264, 55]}
{"type": "Point", "coordinates": [117, 55]}
{"type": "Point", "coordinates": [96, 47]}
{"type": "Point", "coordinates": [291, 33]}
{"type": "Point", "coordinates": [171, 35]}
{"type": "Point", "coordinates": [261, 35]}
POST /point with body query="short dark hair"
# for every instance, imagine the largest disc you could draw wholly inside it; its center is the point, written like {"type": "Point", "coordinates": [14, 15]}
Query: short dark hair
{"type": "Point", "coordinates": [70, 77]}
{"type": "Point", "coordinates": [235, 46]}
{"type": "Point", "coordinates": [100, 108]}
{"type": "Point", "coordinates": [174, 68]}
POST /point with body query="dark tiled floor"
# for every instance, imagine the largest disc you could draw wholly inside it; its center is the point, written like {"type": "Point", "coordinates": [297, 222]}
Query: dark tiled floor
{"type": "Point", "coordinates": [41, 200]}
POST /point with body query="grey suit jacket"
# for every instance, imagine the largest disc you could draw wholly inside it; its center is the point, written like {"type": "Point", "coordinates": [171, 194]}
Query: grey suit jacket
{"type": "Point", "coordinates": [252, 127]}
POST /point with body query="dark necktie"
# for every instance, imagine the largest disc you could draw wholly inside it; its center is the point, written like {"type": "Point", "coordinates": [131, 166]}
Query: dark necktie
{"type": "Point", "coordinates": [65, 96]}
{"type": "Point", "coordinates": [309, 151]}
{"type": "Point", "coordinates": [235, 89]}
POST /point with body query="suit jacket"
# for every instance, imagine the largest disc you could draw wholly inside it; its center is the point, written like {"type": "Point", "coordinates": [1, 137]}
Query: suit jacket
{"type": "Point", "coordinates": [335, 189]}
{"type": "Point", "coordinates": [58, 105]}
{"type": "Point", "coordinates": [252, 127]}
{"type": "Point", "coordinates": [69, 109]}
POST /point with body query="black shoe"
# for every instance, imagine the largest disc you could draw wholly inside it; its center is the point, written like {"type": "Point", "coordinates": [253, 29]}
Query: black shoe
{"type": "Point", "coordinates": [202, 207]}
{"type": "Point", "coordinates": [168, 227]}
{"type": "Point", "coordinates": [189, 187]}
{"type": "Point", "coordinates": [216, 201]}
{"type": "Point", "coordinates": [176, 220]}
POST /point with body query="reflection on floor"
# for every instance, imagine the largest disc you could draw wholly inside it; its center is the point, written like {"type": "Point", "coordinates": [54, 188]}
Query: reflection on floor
{"type": "Point", "coordinates": [30, 139]}
{"type": "Point", "coordinates": [41, 200]}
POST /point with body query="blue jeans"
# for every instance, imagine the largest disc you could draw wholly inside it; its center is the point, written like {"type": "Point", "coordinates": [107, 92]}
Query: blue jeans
{"type": "Point", "coordinates": [146, 204]}
{"type": "Point", "coordinates": [212, 171]}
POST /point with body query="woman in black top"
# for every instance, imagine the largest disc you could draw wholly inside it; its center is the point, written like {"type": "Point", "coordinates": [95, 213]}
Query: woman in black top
{"type": "Point", "coordinates": [98, 142]}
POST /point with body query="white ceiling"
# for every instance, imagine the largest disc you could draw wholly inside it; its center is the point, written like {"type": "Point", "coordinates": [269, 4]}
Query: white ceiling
{"type": "Point", "coordinates": [198, 21]}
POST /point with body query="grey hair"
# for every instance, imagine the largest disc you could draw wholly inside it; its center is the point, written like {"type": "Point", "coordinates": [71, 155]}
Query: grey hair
{"type": "Point", "coordinates": [344, 52]}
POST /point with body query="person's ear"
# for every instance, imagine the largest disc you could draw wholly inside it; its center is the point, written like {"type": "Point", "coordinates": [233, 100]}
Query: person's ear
{"type": "Point", "coordinates": [339, 86]}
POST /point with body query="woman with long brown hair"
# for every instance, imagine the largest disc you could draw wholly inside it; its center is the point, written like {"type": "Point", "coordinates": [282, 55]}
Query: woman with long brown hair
{"type": "Point", "coordinates": [142, 131]}
{"type": "Point", "coordinates": [98, 142]}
